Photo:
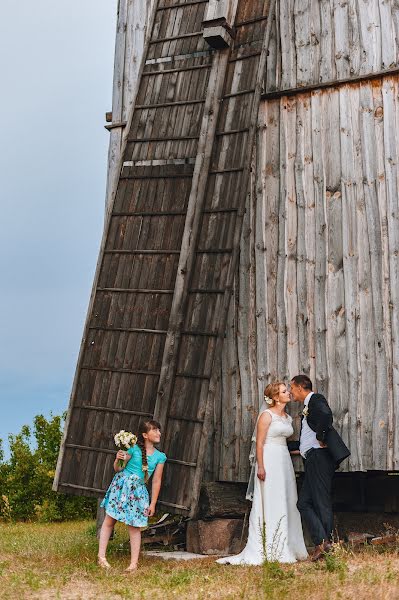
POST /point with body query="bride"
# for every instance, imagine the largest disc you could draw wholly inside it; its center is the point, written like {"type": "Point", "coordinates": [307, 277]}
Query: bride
{"type": "Point", "coordinates": [275, 530]}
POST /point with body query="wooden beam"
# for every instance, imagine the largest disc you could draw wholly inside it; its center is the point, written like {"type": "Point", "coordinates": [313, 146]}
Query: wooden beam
{"type": "Point", "coordinates": [119, 370]}
{"type": "Point", "coordinates": [150, 252]}
{"type": "Point", "coordinates": [250, 22]}
{"type": "Point", "coordinates": [134, 291]}
{"type": "Point", "coordinates": [176, 37]}
{"type": "Point", "coordinates": [83, 488]}
{"type": "Point", "coordinates": [115, 125]}
{"type": "Point", "coordinates": [235, 94]}
{"type": "Point", "coordinates": [165, 104]}
{"type": "Point", "coordinates": [122, 411]}
{"type": "Point", "coordinates": [336, 83]}
{"type": "Point", "coordinates": [208, 418]}
{"type": "Point", "coordinates": [109, 207]}
{"type": "Point", "coordinates": [149, 213]}
{"type": "Point", "coordinates": [181, 5]}
{"type": "Point", "coordinates": [184, 463]}
{"type": "Point", "coordinates": [191, 231]}
{"type": "Point", "coordinates": [181, 70]}
{"type": "Point", "coordinates": [178, 506]}
{"type": "Point", "coordinates": [244, 57]}
{"type": "Point", "coordinates": [163, 139]}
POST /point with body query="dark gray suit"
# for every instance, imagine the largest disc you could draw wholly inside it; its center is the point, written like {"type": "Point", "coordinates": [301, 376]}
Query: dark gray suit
{"type": "Point", "coordinates": [314, 503]}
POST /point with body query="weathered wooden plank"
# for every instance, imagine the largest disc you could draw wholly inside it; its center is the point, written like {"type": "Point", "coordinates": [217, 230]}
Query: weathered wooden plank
{"type": "Point", "coordinates": [350, 259]}
{"type": "Point", "coordinates": [386, 399]}
{"type": "Point", "coordinates": [391, 121]}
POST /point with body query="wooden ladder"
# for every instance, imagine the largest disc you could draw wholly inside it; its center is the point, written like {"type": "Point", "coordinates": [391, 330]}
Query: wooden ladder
{"type": "Point", "coordinates": [168, 258]}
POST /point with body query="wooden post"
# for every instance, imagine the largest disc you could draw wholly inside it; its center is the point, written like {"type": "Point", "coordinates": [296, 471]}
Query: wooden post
{"type": "Point", "coordinates": [187, 254]}
{"type": "Point", "coordinates": [207, 428]}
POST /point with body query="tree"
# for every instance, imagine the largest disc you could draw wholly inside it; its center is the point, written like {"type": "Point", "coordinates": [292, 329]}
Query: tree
{"type": "Point", "coordinates": [26, 478]}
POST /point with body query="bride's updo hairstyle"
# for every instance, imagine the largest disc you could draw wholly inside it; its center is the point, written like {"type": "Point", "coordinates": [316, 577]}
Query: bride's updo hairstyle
{"type": "Point", "coordinates": [271, 392]}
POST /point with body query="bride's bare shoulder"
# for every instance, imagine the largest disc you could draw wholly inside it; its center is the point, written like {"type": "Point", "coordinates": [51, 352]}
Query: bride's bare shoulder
{"type": "Point", "coordinates": [265, 417]}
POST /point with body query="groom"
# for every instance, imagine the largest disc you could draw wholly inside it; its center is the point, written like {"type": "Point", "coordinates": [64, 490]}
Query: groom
{"type": "Point", "coordinates": [323, 450]}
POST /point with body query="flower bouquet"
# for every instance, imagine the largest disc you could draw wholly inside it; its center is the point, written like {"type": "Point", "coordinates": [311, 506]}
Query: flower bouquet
{"type": "Point", "coordinates": [124, 439]}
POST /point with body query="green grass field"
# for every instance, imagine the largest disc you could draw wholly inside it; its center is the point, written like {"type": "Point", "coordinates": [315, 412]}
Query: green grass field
{"type": "Point", "coordinates": [59, 561]}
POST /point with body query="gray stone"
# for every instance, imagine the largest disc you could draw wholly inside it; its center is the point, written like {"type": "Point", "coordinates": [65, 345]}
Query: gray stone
{"type": "Point", "coordinates": [218, 537]}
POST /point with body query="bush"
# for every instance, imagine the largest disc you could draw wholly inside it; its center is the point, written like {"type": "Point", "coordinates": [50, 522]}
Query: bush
{"type": "Point", "coordinates": [26, 478]}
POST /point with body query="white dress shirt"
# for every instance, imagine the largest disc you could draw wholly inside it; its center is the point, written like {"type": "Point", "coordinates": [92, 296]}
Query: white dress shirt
{"type": "Point", "coordinates": [308, 438]}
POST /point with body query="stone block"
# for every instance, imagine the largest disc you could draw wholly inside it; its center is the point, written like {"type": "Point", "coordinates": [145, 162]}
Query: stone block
{"type": "Point", "coordinates": [216, 537]}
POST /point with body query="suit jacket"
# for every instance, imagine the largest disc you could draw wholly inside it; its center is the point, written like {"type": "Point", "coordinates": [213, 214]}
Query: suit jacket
{"type": "Point", "coordinates": [320, 419]}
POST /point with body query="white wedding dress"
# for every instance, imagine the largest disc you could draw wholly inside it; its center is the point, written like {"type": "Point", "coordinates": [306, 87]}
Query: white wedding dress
{"type": "Point", "coordinates": [274, 505]}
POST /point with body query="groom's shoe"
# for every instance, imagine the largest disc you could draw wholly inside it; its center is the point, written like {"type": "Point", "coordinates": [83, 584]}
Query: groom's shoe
{"type": "Point", "coordinates": [327, 547]}
{"type": "Point", "coordinates": [318, 553]}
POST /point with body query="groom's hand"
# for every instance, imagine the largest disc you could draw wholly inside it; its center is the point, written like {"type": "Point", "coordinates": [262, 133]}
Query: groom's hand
{"type": "Point", "coordinates": [261, 473]}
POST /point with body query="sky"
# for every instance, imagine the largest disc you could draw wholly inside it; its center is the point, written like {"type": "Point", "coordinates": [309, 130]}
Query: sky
{"type": "Point", "coordinates": [56, 68]}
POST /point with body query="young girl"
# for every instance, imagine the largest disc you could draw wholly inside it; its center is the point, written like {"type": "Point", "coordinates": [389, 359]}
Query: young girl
{"type": "Point", "coordinates": [127, 498]}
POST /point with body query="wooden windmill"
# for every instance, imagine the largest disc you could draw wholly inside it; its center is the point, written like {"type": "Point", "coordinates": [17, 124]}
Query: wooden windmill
{"type": "Point", "coordinates": [251, 233]}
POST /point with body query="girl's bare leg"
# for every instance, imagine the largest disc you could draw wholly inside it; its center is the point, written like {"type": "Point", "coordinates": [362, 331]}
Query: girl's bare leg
{"type": "Point", "coordinates": [135, 543]}
{"type": "Point", "coordinates": [105, 533]}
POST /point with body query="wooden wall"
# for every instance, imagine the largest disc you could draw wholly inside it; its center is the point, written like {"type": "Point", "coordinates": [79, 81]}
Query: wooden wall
{"type": "Point", "coordinates": [326, 40]}
{"type": "Point", "coordinates": [317, 290]}
{"type": "Point", "coordinates": [317, 285]}
{"type": "Point", "coordinates": [318, 278]}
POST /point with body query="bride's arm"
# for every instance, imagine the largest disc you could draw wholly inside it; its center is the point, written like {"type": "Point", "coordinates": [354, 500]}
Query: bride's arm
{"type": "Point", "coordinates": [261, 433]}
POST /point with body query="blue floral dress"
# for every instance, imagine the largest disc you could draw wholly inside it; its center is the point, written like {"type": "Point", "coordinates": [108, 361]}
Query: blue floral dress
{"type": "Point", "coordinates": [127, 498]}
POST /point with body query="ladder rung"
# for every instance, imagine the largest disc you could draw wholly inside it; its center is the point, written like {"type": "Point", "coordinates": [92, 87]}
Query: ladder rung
{"type": "Point", "coordinates": [215, 211]}
{"type": "Point", "coordinates": [177, 37]}
{"type": "Point", "coordinates": [251, 21]}
{"type": "Point", "coordinates": [179, 506]}
{"type": "Point", "coordinates": [193, 376]}
{"type": "Point", "coordinates": [188, 419]}
{"type": "Point", "coordinates": [128, 371]}
{"type": "Point", "coordinates": [165, 176]}
{"type": "Point", "coordinates": [134, 291]}
{"type": "Point", "coordinates": [142, 252]}
{"type": "Point", "coordinates": [163, 139]}
{"type": "Point", "coordinates": [148, 213]}
{"type": "Point", "coordinates": [92, 449]}
{"type": "Point", "coordinates": [164, 104]}
{"type": "Point", "coordinates": [123, 411]}
{"type": "Point", "coordinates": [177, 57]}
{"type": "Point", "coordinates": [166, 71]}
{"type": "Point", "coordinates": [128, 329]}
{"type": "Point", "coordinates": [205, 291]}
{"type": "Point", "coordinates": [176, 461]}
{"type": "Point", "coordinates": [83, 487]}
{"type": "Point", "coordinates": [151, 331]}
{"type": "Point", "coordinates": [200, 333]}
{"type": "Point", "coordinates": [182, 5]}
{"type": "Point", "coordinates": [241, 93]}
{"type": "Point", "coordinates": [232, 131]}
{"type": "Point", "coordinates": [244, 57]}
{"type": "Point", "coordinates": [222, 171]}
{"type": "Point", "coordinates": [215, 251]}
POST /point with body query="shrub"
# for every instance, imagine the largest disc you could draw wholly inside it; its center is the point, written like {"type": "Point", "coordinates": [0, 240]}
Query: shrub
{"type": "Point", "coordinates": [26, 478]}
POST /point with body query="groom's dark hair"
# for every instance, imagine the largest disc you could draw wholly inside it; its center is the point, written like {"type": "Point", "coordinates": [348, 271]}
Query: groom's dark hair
{"type": "Point", "coordinates": [303, 381]}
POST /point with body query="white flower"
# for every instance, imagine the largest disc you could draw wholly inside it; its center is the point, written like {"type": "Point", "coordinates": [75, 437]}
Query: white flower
{"type": "Point", "coordinates": [125, 439]}
{"type": "Point", "coordinates": [268, 400]}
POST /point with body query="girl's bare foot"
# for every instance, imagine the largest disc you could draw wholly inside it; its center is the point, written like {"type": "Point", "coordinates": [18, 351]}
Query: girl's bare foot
{"type": "Point", "coordinates": [103, 563]}
{"type": "Point", "coordinates": [131, 569]}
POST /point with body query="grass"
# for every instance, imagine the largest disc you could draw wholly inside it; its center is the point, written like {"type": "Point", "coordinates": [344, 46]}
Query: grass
{"type": "Point", "coordinates": [59, 561]}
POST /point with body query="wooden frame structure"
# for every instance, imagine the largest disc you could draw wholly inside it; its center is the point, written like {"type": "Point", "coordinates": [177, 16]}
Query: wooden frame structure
{"type": "Point", "coordinates": [204, 293]}
{"type": "Point", "coordinates": [167, 263]}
